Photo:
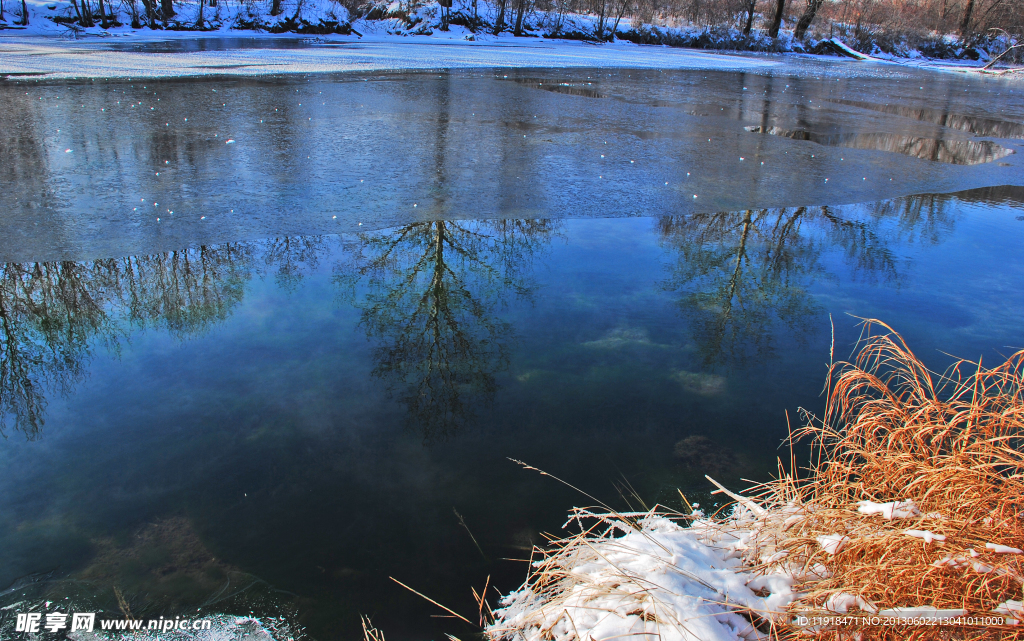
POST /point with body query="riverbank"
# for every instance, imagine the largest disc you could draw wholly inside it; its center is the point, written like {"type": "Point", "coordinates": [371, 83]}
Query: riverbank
{"type": "Point", "coordinates": [908, 526]}
{"type": "Point", "coordinates": [168, 54]}
{"type": "Point", "coordinates": [327, 22]}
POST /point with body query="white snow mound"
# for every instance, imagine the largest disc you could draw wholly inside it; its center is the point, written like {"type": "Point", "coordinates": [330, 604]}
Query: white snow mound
{"type": "Point", "coordinates": [680, 583]}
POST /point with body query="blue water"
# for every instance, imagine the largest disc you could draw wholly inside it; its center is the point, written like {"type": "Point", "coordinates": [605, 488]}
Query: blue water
{"type": "Point", "coordinates": [280, 423]}
{"type": "Point", "coordinates": [315, 412]}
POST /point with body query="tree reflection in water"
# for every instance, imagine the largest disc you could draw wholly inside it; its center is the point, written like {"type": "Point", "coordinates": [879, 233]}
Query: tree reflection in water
{"type": "Point", "coordinates": [743, 277]}
{"type": "Point", "coordinates": [432, 292]}
{"type": "Point", "coordinates": [49, 316]}
{"type": "Point", "coordinates": [52, 315]}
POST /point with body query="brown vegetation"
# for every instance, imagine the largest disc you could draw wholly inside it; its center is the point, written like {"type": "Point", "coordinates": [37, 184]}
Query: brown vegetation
{"type": "Point", "coordinates": [948, 446]}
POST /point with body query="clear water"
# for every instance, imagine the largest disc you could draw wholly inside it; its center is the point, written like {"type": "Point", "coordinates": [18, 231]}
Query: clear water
{"type": "Point", "coordinates": [323, 388]}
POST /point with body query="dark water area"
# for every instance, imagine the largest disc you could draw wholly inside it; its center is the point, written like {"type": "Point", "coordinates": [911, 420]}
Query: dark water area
{"type": "Point", "coordinates": [276, 410]}
{"type": "Point", "coordinates": [188, 45]}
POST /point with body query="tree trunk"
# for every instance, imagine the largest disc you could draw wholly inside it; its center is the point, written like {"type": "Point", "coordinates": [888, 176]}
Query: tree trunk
{"type": "Point", "coordinates": [622, 12]}
{"type": "Point", "coordinates": [133, 11]}
{"type": "Point", "coordinates": [750, 17]}
{"type": "Point", "coordinates": [600, 22]}
{"type": "Point", "coordinates": [807, 18]}
{"type": "Point", "coordinates": [780, 8]}
{"type": "Point", "coordinates": [1, 10]}
{"type": "Point", "coordinates": [24, 14]}
{"type": "Point", "coordinates": [103, 16]}
{"type": "Point", "coordinates": [275, 8]}
{"type": "Point", "coordinates": [167, 9]}
{"type": "Point", "coordinates": [84, 15]}
{"type": "Point", "coordinates": [518, 31]}
{"type": "Point", "coordinates": [500, 22]}
{"type": "Point", "coordinates": [150, 8]}
{"type": "Point", "coordinates": [199, 20]}
{"type": "Point", "coordinates": [965, 26]}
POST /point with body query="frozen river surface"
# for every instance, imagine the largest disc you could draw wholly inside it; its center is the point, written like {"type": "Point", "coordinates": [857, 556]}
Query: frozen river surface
{"type": "Point", "coordinates": [269, 340]}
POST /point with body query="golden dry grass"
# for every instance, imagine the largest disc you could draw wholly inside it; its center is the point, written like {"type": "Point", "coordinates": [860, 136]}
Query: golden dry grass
{"type": "Point", "coordinates": [895, 431]}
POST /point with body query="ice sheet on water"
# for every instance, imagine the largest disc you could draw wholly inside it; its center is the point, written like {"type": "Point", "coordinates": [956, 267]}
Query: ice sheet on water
{"type": "Point", "coordinates": [57, 59]}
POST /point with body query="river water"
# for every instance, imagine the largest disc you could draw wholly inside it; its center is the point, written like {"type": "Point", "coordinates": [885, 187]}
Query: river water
{"type": "Point", "coordinates": [258, 363]}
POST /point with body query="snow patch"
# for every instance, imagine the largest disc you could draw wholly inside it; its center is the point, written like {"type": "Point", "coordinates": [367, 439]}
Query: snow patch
{"type": "Point", "coordinates": [685, 583]}
{"type": "Point", "coordinates": [1002, 549]}
{"type": "Point", "coordinates": [926, 535]}
{"type": "Point", "coordinates": [841, 602]}
{"type": "Point", "coordinates": [891, 510]}
{"type": "Point", "coordinates": [832, 543]}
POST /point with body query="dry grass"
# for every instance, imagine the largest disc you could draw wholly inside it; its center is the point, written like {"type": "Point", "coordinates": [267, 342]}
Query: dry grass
{"type": "Point", "coordinates": [895, 431]}
{"type": "Point", "coordinates": [370, 633]}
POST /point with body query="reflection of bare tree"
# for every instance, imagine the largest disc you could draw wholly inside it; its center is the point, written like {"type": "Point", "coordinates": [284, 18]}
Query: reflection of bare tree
{"type": "Point", "coordinates": [52, 315]}
{"type": "Point", "coordinates": [48, 318]}
{"type": "Point", "coordinates": [184, 292]}
{"type": "Point", "coordinates": [432, 291]}
{"type": "Point", "coordinates": [290, 257]}
{"type": "Point", "coordinates": [956, 152]}
{"type": "Point", "coordinates": [925, 218]}
{"type": "Point", "coordinates": [961, 122]}
{"type": "Point", "coordinates": [741, 275]}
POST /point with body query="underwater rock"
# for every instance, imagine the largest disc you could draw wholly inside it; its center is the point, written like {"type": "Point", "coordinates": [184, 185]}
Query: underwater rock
{"type": "Point", "coordinates": [622, 337]}
{"type": "Point", "coordinates": [165, 565]}
{"type": "Point", "coordinates": [699, 383]}
{"type": "Point", "coordinates": [702, 455]}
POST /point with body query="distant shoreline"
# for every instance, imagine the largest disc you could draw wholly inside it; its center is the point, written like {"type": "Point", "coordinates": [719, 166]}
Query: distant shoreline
{"type": "Point", "coordinates": [50, 56]}
{"type": "Point", "coordinates": [544, 39]}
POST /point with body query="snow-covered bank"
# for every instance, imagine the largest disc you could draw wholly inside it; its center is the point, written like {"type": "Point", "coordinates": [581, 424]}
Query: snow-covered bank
{"type": "Point", "coordinates": [485, 36]}
{"type": "Point", "coordinates": [645, 574]}
{"type": "Point", "coordinates": [232, 53]}
{"type": "Point", "coordinates": [51, 59]}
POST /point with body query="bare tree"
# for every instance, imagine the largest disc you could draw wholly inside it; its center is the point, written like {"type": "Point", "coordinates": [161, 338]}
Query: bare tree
{"type": "Point", "coordinates": [499, 22]}
{"type": "Point", "coordinates": [599, 30]}
{"type": "Point", "coordinates": [622, 11]}
{"type": "Point", "coordinates": [780, 8]}
{"type": "Point", "coordinates": [965, 24]}
{"type": "Point", "coordinates": [84, 13]}
{"type": "Point", "coordinates": [133, 13]}
{"type": "Point", "coordinates": [520, 10]}
{"type": "Point", "coordinates": [751, 4]}
{"type": "Point", "coordinates": [807, 18]}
